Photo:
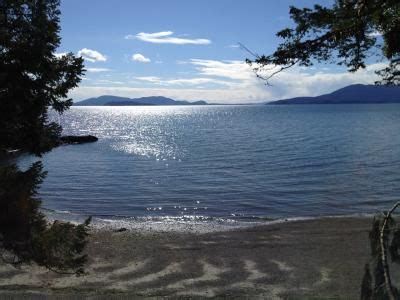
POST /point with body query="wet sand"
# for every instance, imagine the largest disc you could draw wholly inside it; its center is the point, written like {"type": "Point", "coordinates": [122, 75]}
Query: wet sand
{"type": "Point", "coordinates": [312, 259]}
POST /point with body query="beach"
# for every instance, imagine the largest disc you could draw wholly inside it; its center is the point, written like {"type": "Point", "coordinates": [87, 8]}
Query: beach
{"type": "Point", "coordinates": [199, 149]}
{"type": "Point", "coordinates": [318, 258]}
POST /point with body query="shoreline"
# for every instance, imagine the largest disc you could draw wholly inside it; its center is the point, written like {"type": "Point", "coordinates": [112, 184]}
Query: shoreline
{"type": "Point", "coordinates": [319, 258]}
{"type": "Point", "coordinates": [186, 223]}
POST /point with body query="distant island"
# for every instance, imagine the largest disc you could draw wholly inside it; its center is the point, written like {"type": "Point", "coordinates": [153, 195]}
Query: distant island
{"type": "Point", "coordinates": [122, 101]}
{"type": "Point", "coordinates": [352, 94]}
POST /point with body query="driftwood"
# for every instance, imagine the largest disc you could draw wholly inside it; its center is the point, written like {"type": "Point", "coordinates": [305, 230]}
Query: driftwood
{"type": "Point", "coordinates": [383, 253]}
{"type": "Point", "coordinates": [385, 241]}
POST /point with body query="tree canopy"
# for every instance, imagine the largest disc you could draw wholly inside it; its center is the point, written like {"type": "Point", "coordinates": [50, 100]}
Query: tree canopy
{"type": "Point", "coordinates": [32, 77]}
{"type": "Point", "coordinates": [25, 234]}
{"type": "Point", "coordinates": [32, 80]}
{"type": "Point", "coordinates": [348, 33]}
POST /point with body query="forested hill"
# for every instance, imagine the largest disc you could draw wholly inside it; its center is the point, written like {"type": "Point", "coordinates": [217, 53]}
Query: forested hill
{"type": "Point", "coordinates": [122, 101]}
{"type": "Point", "coordinates": [352, 94]}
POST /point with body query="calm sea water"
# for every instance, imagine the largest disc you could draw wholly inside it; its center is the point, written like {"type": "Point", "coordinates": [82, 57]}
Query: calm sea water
{"type": "Point", "coordinates": [225, 162]}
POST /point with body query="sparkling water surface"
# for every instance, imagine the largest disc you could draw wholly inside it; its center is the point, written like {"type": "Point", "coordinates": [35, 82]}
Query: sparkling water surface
{"type": "Point", "coordinates": [225, 162]}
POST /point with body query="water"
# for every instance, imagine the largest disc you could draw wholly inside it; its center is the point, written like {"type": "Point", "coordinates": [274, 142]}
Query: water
{"type": "Point", "coordinates": [225, 163]}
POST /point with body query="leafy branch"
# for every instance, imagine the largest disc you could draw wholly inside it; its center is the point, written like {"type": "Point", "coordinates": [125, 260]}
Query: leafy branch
{"type": "Point", "coordinates": [345, 33]}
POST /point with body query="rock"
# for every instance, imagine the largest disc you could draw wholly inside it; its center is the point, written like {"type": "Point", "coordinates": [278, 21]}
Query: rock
{"type": "Point", "coordinates": [120, 229]}
{"type": "Point", "coordinates": [78, 139]}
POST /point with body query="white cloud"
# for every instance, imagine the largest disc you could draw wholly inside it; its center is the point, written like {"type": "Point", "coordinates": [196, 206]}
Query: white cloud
{"type": "Point", "coordinates": [140, 58]}
{"type": "Point", "coordinates": [152, 79]}
{"type": "Point", "coordinates": [107, 82]}
{"type": "Point", "coordinates": [183, 81]}
{"type": "Point", "coordinates": [165, 37]}
{"type": "Point", "coordinates": [295, 82]}
{"type": "Point", "coordinates": [232, 69]}
{"type": "Point", "coordinates": [97, 70]}
{"type": "Point", "coordinates": [91, 55]}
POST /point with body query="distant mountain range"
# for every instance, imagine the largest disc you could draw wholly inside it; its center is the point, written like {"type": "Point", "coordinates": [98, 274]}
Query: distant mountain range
{"type": "Point", "coordinates": [352, 94]}
{"type": "Point", "coordinates": [122, 101]}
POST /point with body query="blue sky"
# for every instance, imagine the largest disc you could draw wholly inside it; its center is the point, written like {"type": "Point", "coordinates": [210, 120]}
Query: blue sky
{"type": "Point", "coordinates": [187, 50]}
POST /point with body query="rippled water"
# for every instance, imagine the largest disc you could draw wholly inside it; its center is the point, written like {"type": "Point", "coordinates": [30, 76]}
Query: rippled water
{"type": "Point", "coordinates": [211, 162]}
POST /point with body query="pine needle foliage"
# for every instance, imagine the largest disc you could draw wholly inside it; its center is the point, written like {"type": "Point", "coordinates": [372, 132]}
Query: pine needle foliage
{"type": "Point", "coordinates": [25, 234]}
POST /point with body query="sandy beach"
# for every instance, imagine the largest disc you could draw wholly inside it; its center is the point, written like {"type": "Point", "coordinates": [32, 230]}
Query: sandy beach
{"type": "Point", "coordinates": [322, 258]}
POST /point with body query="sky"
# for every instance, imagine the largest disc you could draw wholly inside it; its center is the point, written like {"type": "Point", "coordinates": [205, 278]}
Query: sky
{"type": "Point", "coordinates": [188, 50]}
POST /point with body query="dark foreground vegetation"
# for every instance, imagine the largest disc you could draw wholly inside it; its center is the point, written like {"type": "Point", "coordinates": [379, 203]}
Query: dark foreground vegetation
{"type": "Point", "coordinates": [32, 80]}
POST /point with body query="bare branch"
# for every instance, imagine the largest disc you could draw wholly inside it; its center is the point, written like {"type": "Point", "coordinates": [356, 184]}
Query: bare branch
{"type": "Point", "coordinates": [243, 47]}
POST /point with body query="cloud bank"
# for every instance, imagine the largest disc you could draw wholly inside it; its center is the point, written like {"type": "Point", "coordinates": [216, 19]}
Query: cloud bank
{"type": "Point", "coordinates": [233, 81]}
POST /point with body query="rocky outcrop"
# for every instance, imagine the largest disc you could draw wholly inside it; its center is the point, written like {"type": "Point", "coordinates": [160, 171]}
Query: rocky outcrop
{"type": "Point", "coordinates": [78, 139]}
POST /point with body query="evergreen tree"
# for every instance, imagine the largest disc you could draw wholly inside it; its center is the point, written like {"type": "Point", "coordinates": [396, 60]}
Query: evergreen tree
{"type": "Point", "coordinates": [32, 80]}
{"type": "Point", "coordinates": [25, 234]}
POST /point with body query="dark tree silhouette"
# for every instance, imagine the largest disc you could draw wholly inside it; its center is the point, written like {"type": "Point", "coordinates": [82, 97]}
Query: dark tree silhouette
{"type": "Point", "coordinates": [25, 234]}
{"type": "Point", "coordinates": [32, 80]}
{"type": "Point", "coordinates": [345, 33]}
